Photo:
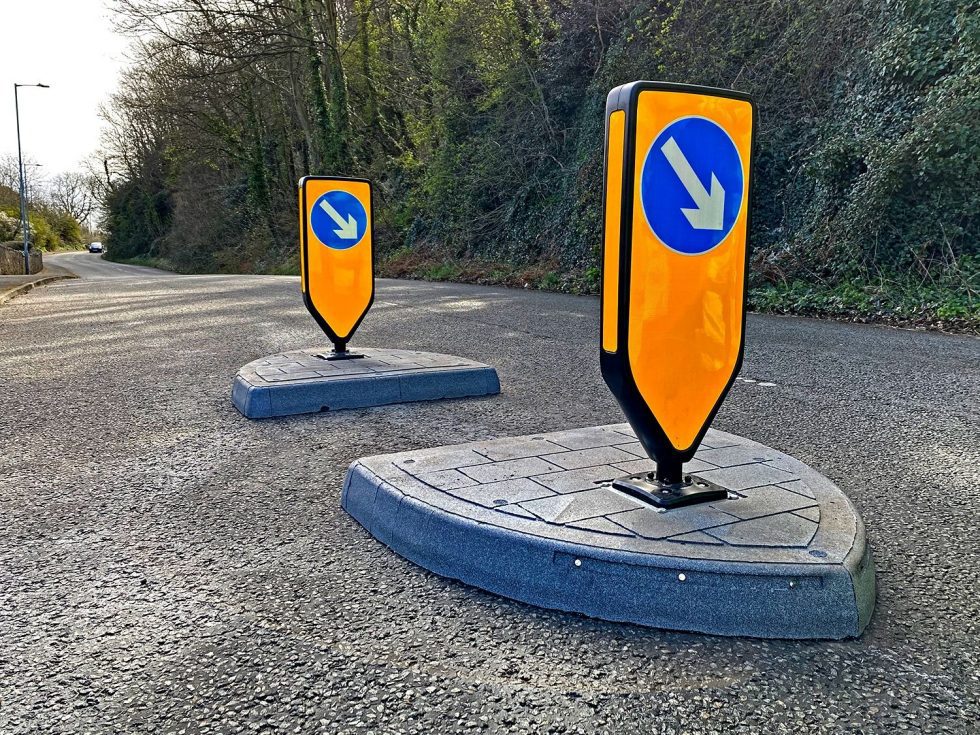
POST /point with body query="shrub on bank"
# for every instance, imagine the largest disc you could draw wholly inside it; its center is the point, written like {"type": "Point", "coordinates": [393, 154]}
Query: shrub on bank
{"type": "Point", "coordinates": [49, 230]}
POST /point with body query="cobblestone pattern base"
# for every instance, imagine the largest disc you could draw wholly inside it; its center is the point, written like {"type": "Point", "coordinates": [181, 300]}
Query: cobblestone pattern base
{"type": "Point", "coordinates": [306, 382]}
{"type": "Point", "coordinates": [535, 518]}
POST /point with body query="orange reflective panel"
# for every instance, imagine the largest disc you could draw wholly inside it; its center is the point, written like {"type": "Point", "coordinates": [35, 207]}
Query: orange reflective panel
{"type": "Point", "coordinates": [688, 254]}
{"type": "Point", "coordinates": [302, 257]}
{"type": "Point", "coordinates": [337, 252]}
{"type": "Point", "coordinates": [615, 146]}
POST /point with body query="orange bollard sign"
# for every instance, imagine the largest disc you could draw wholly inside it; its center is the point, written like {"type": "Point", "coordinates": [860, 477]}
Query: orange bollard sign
{"type": "Point", "coordinates": [678, 168]}
{"type": "Point", "coordinates": [336, 253]}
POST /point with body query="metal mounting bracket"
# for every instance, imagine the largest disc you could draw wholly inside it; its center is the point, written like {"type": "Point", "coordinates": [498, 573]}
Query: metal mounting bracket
{"type": "Point", "coordinates": [691, 490]}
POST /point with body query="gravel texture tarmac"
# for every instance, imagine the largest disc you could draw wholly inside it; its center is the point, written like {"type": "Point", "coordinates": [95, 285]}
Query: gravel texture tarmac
{"type": "Point", "coordinates": [167, 565]}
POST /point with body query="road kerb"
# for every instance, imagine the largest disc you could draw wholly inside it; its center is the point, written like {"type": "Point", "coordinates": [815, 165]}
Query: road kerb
{"type": "Point", "coordinates": [6, 294]}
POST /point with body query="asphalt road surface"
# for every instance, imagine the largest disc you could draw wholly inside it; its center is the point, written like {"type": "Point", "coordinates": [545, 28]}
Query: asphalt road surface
{"type": "Point", "coordinates": [91, 265]}
{"type": "Point", "coordinates": [167, 565]}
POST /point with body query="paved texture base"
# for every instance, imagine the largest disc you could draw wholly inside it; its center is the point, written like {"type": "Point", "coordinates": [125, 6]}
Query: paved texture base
{"type": "Point", "coordinates": [534, 518]}
{"type": "Point", "coordinates": [305, 382]}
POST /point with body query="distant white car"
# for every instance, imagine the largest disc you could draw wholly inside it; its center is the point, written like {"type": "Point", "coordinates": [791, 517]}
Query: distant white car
{"type": "Point", "coordinates": [96, 247]}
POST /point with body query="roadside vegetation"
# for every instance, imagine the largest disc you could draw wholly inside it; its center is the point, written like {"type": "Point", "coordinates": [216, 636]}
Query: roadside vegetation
{"type": "Point", "coordinates": [51, 227]}
{"type": "Point", "coordinates": [59, 208]}
{"type": "Point", "coordinates": [481, 125]}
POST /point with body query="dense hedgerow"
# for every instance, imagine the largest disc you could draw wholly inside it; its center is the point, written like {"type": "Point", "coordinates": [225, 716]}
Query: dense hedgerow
{"type": "Point", "coordinates": [481, 124]}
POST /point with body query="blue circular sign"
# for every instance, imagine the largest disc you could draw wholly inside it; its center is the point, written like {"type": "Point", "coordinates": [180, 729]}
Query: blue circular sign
{"type": "Point", "coordinates": [338, 220]}
{"type": "Point", "coordinates": [691, 185]}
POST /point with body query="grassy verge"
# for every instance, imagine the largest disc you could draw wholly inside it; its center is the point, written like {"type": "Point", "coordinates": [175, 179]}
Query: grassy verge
{"type": "Point", "coordinates": [951, 304]}
{"type": "Point", "coordinates": [144, 260]}
{"type": "Point", "coordinates": [290, 267]}
{"type": "Point", "coordinates": [929, 308]}
{"type": "Point", "coordinates": [545, 275]}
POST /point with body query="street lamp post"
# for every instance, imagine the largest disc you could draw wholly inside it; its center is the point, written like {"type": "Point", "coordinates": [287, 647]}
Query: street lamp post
{"type": "Point", "coordinates": [23, 190]}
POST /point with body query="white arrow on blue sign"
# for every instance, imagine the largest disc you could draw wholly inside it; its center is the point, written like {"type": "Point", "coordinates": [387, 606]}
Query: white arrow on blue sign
{"type": "Point", "coordinates": [338, 220]}
{"type": "Point", "coordinates": [691, 185]}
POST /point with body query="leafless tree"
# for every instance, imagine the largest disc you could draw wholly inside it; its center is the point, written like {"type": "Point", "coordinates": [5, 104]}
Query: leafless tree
{"type": "Point", "coordinates": [72, 193]}
{"type": "Point", "coordinates": [10, 177]}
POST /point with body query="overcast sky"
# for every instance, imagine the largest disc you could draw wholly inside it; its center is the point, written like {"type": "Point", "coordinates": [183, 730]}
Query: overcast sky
{"type": "Point", "coordinates": [70, 45]}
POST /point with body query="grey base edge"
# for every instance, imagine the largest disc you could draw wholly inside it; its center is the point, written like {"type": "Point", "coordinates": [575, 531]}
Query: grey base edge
{"type": "Point", "coordinates": [319, 394]}
{"type": "Point", "coordinates": [732, 598]}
